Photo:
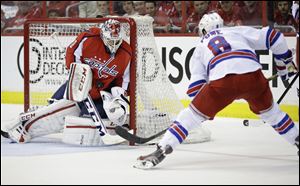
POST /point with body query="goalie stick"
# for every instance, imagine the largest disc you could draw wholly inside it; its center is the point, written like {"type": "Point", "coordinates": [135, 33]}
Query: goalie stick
{"type": "Point", "coordinates": [136, 139]}
{"type": "Point", "coordinates": [105, 136]}
{"type": "Point", "coordinates": [247, 122]}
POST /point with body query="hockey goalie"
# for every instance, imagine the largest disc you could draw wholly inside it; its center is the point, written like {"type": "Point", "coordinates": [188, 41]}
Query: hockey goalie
{"type": "Point", "coordinates": [98, 62]}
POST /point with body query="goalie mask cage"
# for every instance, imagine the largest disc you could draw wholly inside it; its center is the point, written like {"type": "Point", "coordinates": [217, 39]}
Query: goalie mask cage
{"type": "Point", "coordinates": [153, 102]}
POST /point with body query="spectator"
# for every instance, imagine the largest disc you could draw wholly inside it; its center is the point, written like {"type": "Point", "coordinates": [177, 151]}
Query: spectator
{"type": "Point", "coordinates": [161, 21]}
{"type": "Point", "coordinates": [252, 13]}
{"type": "Point", "coordinates": [62, 6]}
{"type": "Point", "coordinates": [283, 15]}
{"type": "Point", "coordinates": [128, 7]}
{"type": "Point", "coordinates": [87, 9]}
{"type": "Point", "coordinates": [117, 8]}
{"type": "Point", "coordinates": [9, 9]}
{"type": "Point", "coordinates": [167, 7]}
{"type": "Point", "coordinates": [54, 13]}
{"type": "Point", "coordinates": [176, 17]}
{"type": "Point", "coordinates": [230, 13]}
{"type": "Point", "coordinates": [26, 10]}
{"type": "Point", "coordinates": [200, 8]}
{"type": "Point", "coordinates": [139, 7]}
{"type": "Point", "coordinates": [103, 8]}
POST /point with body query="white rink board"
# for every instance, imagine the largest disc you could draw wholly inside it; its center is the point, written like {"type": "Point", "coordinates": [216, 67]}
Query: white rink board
{"type": "Point", "coordinates": [237, 155]}
{"type": "Point", "coordinates": [174, 51]}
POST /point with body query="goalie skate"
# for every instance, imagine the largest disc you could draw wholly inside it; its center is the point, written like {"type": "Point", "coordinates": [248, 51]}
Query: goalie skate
{"type": "Point", "coordinates": [5, 134]}
{"type": "Point", "coordinates": [151, 160]}
{"type": "Point", "coordinates": [16, 133]}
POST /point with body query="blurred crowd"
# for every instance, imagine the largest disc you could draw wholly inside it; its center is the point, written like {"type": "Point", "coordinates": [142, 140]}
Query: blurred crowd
{"type": "Point", "coordinates": [169, 16]}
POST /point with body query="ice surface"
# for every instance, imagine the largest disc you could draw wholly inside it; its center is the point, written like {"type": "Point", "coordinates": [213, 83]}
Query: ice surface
{"type": "Point", "coordinates": [236, 155]}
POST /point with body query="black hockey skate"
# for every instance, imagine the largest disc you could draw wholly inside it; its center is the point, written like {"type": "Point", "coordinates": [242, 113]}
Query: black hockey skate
{"type": "Point", "coordinates": [151, 160]}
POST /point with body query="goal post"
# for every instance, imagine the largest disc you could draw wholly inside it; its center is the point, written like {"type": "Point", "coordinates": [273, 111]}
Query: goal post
{"type": "Point", "coordinates": [153, 101]}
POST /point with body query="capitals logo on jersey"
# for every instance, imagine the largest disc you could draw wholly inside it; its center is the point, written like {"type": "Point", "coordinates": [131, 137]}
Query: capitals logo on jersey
{"type": "Point", "coordinates": [102, 67]}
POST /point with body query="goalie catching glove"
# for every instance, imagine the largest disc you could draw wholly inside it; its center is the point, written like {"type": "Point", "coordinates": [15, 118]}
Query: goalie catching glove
{"type": "Point", "coordinates": [116, 105]}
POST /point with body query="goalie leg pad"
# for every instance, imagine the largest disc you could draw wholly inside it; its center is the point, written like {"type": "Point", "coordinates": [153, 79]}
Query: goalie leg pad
{"type": "Point", "coordinates": [81, 132]}
{"type": "Point", "coordinates": [281, 122]}
{"type": "Point", "coordinates": [44, 121]}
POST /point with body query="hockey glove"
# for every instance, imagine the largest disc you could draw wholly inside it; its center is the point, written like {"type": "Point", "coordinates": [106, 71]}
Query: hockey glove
{"type": "Point", "coordinates": [285, 66]}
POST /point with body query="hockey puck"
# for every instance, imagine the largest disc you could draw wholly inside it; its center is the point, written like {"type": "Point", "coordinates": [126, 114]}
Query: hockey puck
{"type": "Point", "coordinates": [246, 123]}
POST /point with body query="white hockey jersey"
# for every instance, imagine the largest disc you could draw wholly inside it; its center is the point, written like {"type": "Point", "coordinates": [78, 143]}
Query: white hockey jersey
{"type": "Point", "coordinates": [231, 50]}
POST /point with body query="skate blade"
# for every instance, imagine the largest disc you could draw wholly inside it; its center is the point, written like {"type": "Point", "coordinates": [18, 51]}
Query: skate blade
{"type": "Point", "coordinates": [143, 164]}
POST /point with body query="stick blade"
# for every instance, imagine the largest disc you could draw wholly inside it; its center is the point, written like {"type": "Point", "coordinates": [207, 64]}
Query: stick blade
{"type": "Point", "coordinates": [128, 136]}
{"type": "Point", "coordinates": [136, 139]}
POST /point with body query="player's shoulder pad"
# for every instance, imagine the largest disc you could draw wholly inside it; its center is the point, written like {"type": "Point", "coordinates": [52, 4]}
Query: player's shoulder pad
{"type": "Point", "coordinates": [126, 47]}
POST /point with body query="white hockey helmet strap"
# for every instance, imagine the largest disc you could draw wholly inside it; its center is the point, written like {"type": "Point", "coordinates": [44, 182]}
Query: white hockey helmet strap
{"type": "Point", "coordinates": [209, 22]}
{"type": "Point", "coordinates": [111, 35]}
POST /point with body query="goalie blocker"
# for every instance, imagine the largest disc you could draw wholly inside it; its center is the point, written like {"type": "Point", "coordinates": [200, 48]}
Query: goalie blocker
{"type": "Point", "coordinates": [64, 115]}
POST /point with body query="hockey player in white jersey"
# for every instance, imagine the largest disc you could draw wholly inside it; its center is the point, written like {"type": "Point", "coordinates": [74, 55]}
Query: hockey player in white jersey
{"type": "Point", "coordinates": [224, 67]}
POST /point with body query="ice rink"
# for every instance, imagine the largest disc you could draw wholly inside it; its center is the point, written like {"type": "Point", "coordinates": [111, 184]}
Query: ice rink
{"type": "Point", "coordinates": [236, 155]}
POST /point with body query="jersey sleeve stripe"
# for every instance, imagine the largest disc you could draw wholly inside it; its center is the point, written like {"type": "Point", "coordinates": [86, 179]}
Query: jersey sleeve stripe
{"type": "Point", "coordinates": [272, 37]}
{"type": "Point", "coordinates": [284, 55]}
{"type": "Point", "coordinates": [268, 38]}
{"type": "Point", "coordinates": [275, 38]}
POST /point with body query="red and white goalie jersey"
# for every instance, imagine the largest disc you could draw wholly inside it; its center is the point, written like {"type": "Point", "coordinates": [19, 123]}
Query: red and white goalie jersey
{"type": "Point", "coordinates": [108, 70]}
{"type": "Point", "coordinates": [231, 50]}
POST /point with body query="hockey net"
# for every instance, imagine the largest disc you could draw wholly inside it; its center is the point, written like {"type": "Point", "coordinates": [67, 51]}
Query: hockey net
{"type": "Point", "coordinates": [153, 102]}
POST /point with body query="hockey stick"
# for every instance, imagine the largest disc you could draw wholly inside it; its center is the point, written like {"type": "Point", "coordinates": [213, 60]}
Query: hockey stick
{"type": "Point", "coordinates": [136, 139]}
{"type": "Point", "coordinates": [105, 136]}
{"type": "Point", "coordinates": [288, 88]}
{"type": "Point", "coordinates": [246, 122]}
